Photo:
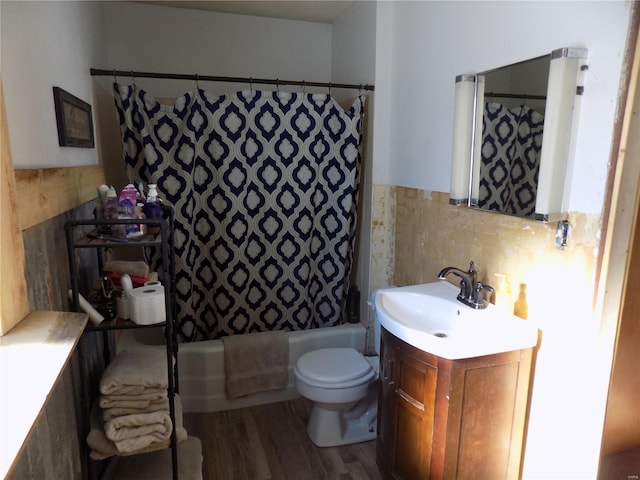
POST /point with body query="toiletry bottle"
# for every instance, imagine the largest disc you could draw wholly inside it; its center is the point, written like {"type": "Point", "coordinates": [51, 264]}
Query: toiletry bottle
{"type": "Point", "coordinates": [141, 197]}
{"type": "Point", "coordinates": [102, 201]}
{"type": "Point", "coordinates": [111, 205]}
{"type": "Point", "coordinates": [503, 296]}
{"type": "Point", "coordinates": [521, 307]}
{"type": "Point", "coordinates": [152, 208]}
{"type": "Point", "coordinates": [140, 215]}
{"type": "Point", "coordinates": [127, 210]}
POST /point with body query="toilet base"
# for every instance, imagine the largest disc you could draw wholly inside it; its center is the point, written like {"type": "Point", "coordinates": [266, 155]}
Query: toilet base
{"type": "Point", "coordinates": [330, 427]}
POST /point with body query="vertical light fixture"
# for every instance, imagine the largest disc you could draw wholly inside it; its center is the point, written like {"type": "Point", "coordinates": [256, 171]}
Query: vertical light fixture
{"type": "Point", "coordinates": [476, 142]}
{"type": "Point", "coordinates": [566, 73]}
{"type": "Point", "coordinates": [463, 126]}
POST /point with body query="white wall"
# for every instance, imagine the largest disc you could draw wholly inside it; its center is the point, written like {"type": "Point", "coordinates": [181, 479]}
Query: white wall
{"type": "Point", "coordinates": [432, 42]}
{"type": "Point", "coordinates": [47, 44]}
{"type": "Point", "coordinates": [353, 61]}
{"type": "Point", "coordinates": [164, 39]}
{"type": "Point", "coordinates": [353, 52]}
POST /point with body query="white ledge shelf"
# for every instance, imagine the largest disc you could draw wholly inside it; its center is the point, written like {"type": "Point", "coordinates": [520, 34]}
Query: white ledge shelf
{"type": "Point", "coordinates": [32, 356]}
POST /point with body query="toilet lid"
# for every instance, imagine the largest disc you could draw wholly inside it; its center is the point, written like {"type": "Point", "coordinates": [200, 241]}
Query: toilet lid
{"type": "Point", "coordinates": [333, 365]}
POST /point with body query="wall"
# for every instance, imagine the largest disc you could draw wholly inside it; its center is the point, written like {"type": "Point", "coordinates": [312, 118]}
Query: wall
{"type": "Point", "coordinates": [164, 39]}
{"type": "Point", "coordinates": [432, 42]}
{"type": "Point", "coordinates": [353, 45]}
{"type": "Point", "coordinates": [14, 304]}
{"type": "Point", "coordinates": [621, 266]}
{"type": "Point", "coordinates": [47, 44]}
{"type": "Point", "coordinates": [421, 47]}
{"type": "Point", "coordinates": [55, 447]}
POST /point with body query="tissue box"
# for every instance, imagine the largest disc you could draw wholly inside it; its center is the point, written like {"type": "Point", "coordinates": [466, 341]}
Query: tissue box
{"type": "Point", "coordinates": [146, 304]}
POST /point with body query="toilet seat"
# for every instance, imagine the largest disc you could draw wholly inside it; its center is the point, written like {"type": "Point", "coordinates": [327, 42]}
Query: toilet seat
{"type": "Point", "coordinates": [334, 368]}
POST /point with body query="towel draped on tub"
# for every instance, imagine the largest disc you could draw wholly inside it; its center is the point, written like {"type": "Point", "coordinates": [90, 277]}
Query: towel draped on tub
{"type": "Point", "coordinates": [255, 362]}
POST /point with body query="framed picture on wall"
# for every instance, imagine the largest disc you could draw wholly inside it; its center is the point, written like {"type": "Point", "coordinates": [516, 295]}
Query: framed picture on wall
{"type": "Point", "coordinates": [75, 123]}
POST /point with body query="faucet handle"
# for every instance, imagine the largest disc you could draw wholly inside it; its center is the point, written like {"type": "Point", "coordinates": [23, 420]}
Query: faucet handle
{"type": "Point", "coordinates": [478, 297]}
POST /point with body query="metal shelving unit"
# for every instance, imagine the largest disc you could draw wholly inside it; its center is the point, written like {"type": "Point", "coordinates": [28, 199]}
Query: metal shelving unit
{"type": "Point", "coordinates": [98, 238]}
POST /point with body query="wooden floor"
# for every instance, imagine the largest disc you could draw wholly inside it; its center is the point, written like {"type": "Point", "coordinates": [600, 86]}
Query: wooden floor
{"type": "Point", "coordinates": [623, 466]}
{"type": "Point", "coordinates": [271, 442]}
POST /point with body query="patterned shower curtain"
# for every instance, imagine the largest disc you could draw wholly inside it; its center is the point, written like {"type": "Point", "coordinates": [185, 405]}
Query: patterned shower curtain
{"type": "Point", "coordinates": [264, 187]}
{"type": "Point", "coordinates": [511, 146]}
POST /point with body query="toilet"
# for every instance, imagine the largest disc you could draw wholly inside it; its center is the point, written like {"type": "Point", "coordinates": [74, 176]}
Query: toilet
{"type": "Point", "coordinates": [342, 383]}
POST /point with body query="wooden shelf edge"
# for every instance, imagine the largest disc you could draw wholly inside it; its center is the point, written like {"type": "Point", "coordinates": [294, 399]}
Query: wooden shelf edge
{"type": "Point", "coordinates": [37, 349]}
{"type": "Point", "coordinates": [44, 193]}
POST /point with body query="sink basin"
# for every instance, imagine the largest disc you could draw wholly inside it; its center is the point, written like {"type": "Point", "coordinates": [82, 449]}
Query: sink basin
{"type": "Point", "coordinates": [430, 318]}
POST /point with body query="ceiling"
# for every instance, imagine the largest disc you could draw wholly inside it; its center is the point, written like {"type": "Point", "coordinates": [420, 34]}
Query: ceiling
{"type": "Point", "coordinates": [305, 10]}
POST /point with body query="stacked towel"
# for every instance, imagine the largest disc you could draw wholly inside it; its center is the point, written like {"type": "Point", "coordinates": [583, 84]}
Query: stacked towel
{"type": "Point", "coordinates": [132, 415]}
{"type": "Point", "coordinates": [103, 447]}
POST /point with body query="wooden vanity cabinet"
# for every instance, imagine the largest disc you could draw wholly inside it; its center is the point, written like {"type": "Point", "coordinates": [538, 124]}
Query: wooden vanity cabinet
{"type": "Point", "coordinates": [450, 419]}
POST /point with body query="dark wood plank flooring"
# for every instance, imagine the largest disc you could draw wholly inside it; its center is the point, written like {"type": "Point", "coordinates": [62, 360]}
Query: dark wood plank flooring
{"type": "Point", "coordinates": [270, 442]}
{"type": "Point", "coordinates": [622, 466]}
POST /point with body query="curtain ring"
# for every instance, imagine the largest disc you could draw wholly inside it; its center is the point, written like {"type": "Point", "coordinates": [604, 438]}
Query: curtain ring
{"type": "Point", "coordinates": [133, 79]}
{"type": "Point", "coordinates": [329, 88]}
{"type": "Point", "coordinates": [278, 85]}
{"type": "Point", "coordinates": [115, 80]}
{"type": "Point", "coordinates": [251, 84]}
{"type": "Point", "coordinates": [304, 86]}
{"type": "Point", "coordinates": [197, 83]}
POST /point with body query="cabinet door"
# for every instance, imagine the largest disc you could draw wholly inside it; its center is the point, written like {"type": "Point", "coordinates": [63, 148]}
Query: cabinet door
{"type": "Point", "coordinates": [407, 398]}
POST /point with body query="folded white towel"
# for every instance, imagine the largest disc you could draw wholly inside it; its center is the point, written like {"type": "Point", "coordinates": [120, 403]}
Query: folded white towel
{"type": "Point", "coordinates": [149, 426]}
{"type": "Point", "coordinates": [149, 407]}
{"type": "Point", "coordinates": [131, 401]}
{"type": "Point", "coordinates": [136, 372]}
{"type": "Point", "coordinates": [103, 447]}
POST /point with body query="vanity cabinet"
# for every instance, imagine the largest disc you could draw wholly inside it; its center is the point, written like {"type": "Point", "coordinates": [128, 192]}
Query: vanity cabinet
{"type": "Point", "coordinates": [449, 419]}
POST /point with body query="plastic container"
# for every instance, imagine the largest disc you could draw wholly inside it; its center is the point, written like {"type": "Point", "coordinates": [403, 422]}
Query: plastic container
{"type": "Point", "coordinates": [152, 208]}
{"type": "Point", "coordinates": [127, 210]}
{"type": "Point", "coordinates": [111, 204]}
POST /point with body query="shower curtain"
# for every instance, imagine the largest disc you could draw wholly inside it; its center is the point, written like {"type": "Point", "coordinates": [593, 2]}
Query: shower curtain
{"type": "Point", "coordinates": [264, 186]}
{"type": "Point", "coordinates": [511, 146]}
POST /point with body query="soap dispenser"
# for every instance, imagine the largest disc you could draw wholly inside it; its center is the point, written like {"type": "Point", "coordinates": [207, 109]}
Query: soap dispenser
{"type": "Point", "coordinates": [521, 307]}
{"type": "Point", "coordinates": [152, 208]}
{"type": "Point", "coordinates": [504, 297]}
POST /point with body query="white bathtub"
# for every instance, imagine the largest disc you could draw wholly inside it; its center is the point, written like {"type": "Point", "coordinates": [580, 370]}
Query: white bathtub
{"type": "Point", "coordinates": [201, 365]}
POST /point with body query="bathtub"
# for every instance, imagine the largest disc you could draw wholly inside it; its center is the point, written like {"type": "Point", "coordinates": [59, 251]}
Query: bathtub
{"type": "Point", "coordinates": [201, 365]}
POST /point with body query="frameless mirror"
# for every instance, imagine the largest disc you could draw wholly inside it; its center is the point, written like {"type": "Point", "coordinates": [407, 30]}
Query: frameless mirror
{"type": "Point", "coordinates": [512, 131]}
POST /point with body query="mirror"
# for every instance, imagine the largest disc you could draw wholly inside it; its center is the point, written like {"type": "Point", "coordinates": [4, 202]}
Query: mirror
{"type": "Point", "coordinates": [512, 134]}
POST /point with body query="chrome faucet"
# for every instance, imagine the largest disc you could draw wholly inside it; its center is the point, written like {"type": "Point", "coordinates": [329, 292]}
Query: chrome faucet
{"type": "Point", "coordinates": [471, 290]}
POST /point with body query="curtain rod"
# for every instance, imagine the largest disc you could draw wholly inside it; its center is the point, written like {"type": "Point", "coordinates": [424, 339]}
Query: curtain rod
{"type": "Point", "coordinates": [210, 78]}
{"type": "Point", "coordinates": [523, 96]}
